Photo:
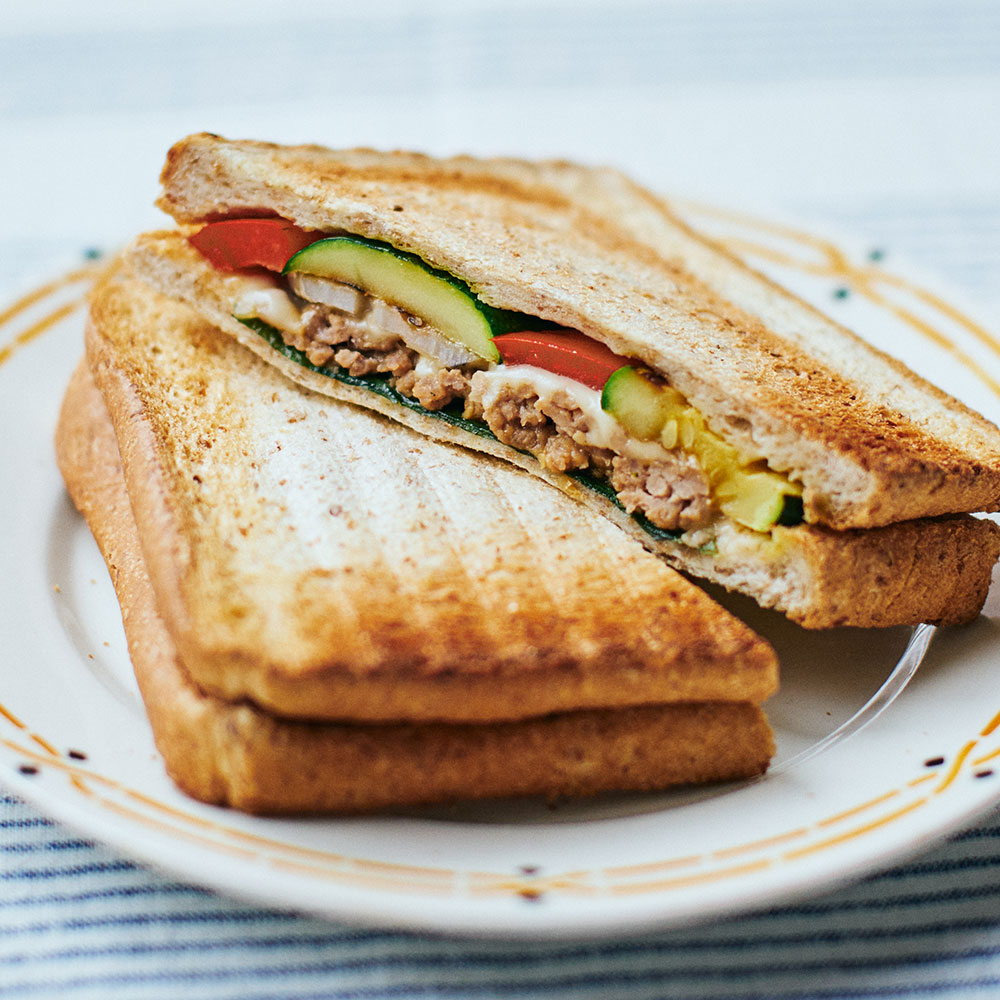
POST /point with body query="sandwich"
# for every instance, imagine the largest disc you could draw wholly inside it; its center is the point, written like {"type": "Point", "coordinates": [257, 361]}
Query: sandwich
{"type": "Point", "coordinates": [329, 612]}
{"type": "Point", "coordinates": [561, 318]}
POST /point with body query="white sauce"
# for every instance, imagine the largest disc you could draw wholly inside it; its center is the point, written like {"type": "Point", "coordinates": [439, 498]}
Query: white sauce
{"type": "Point", "coordinates": [603, 431]}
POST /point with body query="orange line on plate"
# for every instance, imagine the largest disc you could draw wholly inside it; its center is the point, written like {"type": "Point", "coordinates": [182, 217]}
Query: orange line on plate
{"type": "Point", "coordinates": [148, 800]}
{"type": "Point", "coordinates": [251, 838]}
{"type": "Point", "coordinates": [33, 331]}
{"type": "Point", "coordinates": [682, 881]}
{"type": "Point", "coordinates": [277, 845]}
{"type": "Point", "coordinates": [742, 247]}
{"type": "Point", "coordinates": [768, 226]}
{"type": "Point", "coordinates": [801, 852]}
{"type": "Point", "coordinates": [504, 885]}
{"type": "Point", "coordinates": [366, 879]}
{"type": "Point", "coordinates": [45, 745]}
{"type": "Point", "coordinates": [336, 874]}
{"type": "Point", "coordinates": [862, 279]}
{"type": "Point", "coordinates": [932, 333]}
{"type": "Point", "coordinates": [159, 825]}
{"type": "Point", "coordinates": [11, 718]}
{"type": "Point", "coordinates": [942, 306]}
{"type": "Point", "coordinates": [757, 845]}
{"type": "Point", "coordinates": [490, 878]}
{"type": "Point", "coordinates": [28, 300]}
{"type": "Point", "coordinates": [356, 876]}
{"type": "Point", "coordinates": [829, 821]}
{"type": "Point", "coordinates": [51, 757]}
{"type": "Point", "coordinates": [45, 759]}
{"type": "Point", "coordinates": [956, 767]}
{"type": "Point", "coordinates": [930, 776]}
{"type": "Point", "coordinates": [991, 726]}
{"type": "Point", "coordinates": [652, 866]}
{"type": "Point", "coordinates": [400, 869]}
{"type": "Point", "coordinates": [986, 757]}
{"type": "Point", "coordinates": [79, 778]}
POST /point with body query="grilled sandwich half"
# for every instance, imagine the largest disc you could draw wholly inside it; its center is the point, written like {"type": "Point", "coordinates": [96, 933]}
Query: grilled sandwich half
{"type": "Point", "coordinates": [561, 318]}
{"type": "Point", "coordinates": [327, 611]}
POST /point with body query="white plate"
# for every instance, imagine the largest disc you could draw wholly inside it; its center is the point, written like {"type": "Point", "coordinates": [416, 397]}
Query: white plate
{"type": "Point", "coordinates": [869, 768]}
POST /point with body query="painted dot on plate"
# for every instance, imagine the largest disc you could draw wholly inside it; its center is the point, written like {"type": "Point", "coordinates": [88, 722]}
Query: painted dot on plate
{"type": "Point", "coordinates": [988, 773]}
{"type": "Point", "coordinates": [529, 869]}
{"type": "Point", "coordinates": [934, 762]}
{"type": "Point", "coordinates": [28, 769]}
{"type": "Point", "coordinates": [876, 254]}
{"type": "Point", "coordinates": [76, 755]}
{"type": "Point", "coordinates": [530, 895]}
{"type": "Point", "coordinates": [841, 293]}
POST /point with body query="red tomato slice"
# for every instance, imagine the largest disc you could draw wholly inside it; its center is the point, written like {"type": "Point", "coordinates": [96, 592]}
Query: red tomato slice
{"type": "Point", "coordinates": [566, 353]}
{"type": "Point", "coordinates": [234, 244]}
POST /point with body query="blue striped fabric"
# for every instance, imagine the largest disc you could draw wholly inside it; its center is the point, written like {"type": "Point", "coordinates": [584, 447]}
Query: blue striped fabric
{"type": "Point", "coordinates": [78, 921]}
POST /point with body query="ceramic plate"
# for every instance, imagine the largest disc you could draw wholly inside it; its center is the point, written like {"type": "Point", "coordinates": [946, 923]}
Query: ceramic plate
{"type": "Point", "coordinates": [876, 758]}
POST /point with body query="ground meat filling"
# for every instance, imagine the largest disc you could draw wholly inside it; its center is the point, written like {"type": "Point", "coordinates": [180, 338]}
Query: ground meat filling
{"type": "Point", "coordinates": [673, 494]}
{"type": "Point", "coordinates": [519, 422]}
{"type": "Point", "coordinates": [437, 389]}
{"type": "Point", "coordinates": [328, 336]}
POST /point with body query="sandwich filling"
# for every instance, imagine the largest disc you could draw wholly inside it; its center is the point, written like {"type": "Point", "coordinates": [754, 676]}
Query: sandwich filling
{"type": "Point", "coordinates": [369, 313]}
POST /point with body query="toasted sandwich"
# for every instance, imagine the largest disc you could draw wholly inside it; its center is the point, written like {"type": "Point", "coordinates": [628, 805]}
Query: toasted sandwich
{"type": "Point", "coordinates": [329, 612]}
{"type": "Point", "coordinates": [562, 319]}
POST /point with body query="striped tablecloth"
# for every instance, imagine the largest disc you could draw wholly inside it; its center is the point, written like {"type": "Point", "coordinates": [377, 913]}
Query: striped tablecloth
{"type": "Point", "coordinates": [78, 920]}
{"type": "Point", "coordinates": [880, 117]}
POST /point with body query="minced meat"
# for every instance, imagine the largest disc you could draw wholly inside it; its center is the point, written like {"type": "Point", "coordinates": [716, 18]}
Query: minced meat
{"type": "Point", "coordinates": [673, 493]}
{"type": "Point", "coordinates": [437, 389]}
{"type": "Point", "coordinates": [327, 335]}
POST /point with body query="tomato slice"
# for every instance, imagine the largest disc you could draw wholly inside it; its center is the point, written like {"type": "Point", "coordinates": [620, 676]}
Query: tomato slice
{"type": "Point", "coordinates": [233, 244]}
{"type": "Point", "coordinates": [563, 352]}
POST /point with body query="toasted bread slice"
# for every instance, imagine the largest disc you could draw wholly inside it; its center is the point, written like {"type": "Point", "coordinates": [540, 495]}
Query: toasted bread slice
{"type": "Point", "coordinates": [327, 564]}
{"type": "Point", "coordinates": [936, 570]}
{"type": "Point", "coordinates": [232, 753]}
{"type": "Point", "coordinates": [870, 442]}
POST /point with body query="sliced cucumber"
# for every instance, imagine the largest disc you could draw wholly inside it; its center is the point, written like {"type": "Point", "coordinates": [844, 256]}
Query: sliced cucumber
{"type": "Point", "coordinates": [758, 499]}
{"type": "Point", "coordinates": [639, 403]}
{"type": "Point", "coordinates": [406, 281]}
